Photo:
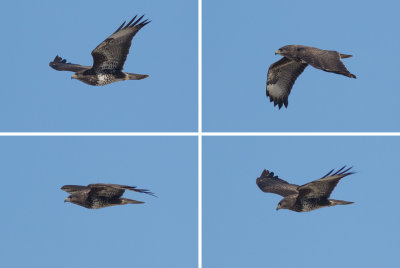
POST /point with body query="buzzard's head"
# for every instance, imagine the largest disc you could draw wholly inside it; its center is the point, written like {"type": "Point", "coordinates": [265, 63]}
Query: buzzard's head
{"type": "Point", "coordinates": [279, 206]}
{"type": "Point", "coordinates": [287, 51]}
{"type": "Point", "coordinates": [76, 76]}
{"type": "Point", "coordinates": [282, 51]}
{"type": "Point", "coordinates": [72, 199]}
{"type": "Point", "coordinates": [286, 203]}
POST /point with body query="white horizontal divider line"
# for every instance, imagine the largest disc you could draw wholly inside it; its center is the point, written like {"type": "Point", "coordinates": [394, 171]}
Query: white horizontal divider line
{"type": "Point", "coordinates": [274, 134]}
{"type": "Point", "coordinates": [201, 134]}
{"type": "Point", "coordinates": [192, 134]}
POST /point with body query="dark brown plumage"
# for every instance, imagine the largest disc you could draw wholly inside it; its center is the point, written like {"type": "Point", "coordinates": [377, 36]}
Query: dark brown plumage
{"type": "Point", "coordinates": [283, 73]}
{"type": "Point", "coordinates": [310, 196]}
{"type": "Point", "coordinates": [108, 58]}
{"type": "Point", "coordinates": [101, 195]}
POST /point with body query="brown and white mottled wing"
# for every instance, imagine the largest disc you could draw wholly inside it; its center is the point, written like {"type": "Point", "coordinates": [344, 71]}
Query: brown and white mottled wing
{"type": "Point", "coordinates": [112, 52]}
{"type": "Point", "coordinates": [74, 188]}
{"type": "Point", "coordinates": [322, 188]}
{"type": "Point", "coordinates": [114, 190]}
{"type": "Point", "coordinates": [269, 183]}
{"type": "Point", "coordinates": [326, 60]}
{"type": "Point", "coordinates": [280, 79]}
{"type": "Point", "coordinates": [61, 64]}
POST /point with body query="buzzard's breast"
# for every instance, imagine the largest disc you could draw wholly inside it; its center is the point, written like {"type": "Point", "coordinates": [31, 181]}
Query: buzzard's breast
{"type": "Point", "coordinates": [98, 79]}
{"type": "Point", "coordinates": [104, 79]}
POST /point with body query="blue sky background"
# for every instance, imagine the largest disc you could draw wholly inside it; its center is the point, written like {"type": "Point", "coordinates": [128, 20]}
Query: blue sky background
{"type": "Point", "coordinates": [239, 42]}
{"type": "Point", "coordinates": [34, 97]}
{"type": "Point", "coordinates": [242, 228]}
{"type": "Point", "coordinates": [39, 230]}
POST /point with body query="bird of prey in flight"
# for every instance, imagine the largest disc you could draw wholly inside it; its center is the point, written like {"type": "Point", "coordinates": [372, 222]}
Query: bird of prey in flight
{"type": "Point", "coordinates": [108, 58]}
{"type": "Point", "coordinates": [101, 195]}
{"type": "Point", "coordinates": [283, 73]}
{"type": "Point", "coordinates": [307, 197]}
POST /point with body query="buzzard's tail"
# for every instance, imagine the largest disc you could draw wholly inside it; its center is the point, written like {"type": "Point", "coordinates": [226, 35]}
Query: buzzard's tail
{"type": "Point", "coordinates": [130, 201]}
{"type": "Point", "coordinates": [345, 73]}
{"type": "Point", "coordinates": [352, 75]}
{"type": "Point", "coordinates": [343, 56]}
{"type": "Point", "coordinates": [130, 76]}
{"type": "Point", "coordinates": [335, 202]}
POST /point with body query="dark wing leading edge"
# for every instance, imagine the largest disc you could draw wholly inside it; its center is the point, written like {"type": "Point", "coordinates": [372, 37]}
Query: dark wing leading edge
{"type": "Point", "coordinates": [326, 60]}
{"type": "Point", "coordinates": [272, 184]}
{"type": "Point", "coordinates": [74, 188]}
{"type": "Point", "coordinates": [322, 188]}
{"type": "Point", "coordinates": [112, 52]}
{"type": "Point", "coordinates": [280, 79]}
{"type": "Point", "coordinates": [61, 64]}
{"type": "Point", "coordinates": [114, 190]}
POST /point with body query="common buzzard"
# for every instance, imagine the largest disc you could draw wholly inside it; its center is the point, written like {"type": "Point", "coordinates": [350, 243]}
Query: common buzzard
{"type": "Point", "coordinates": [101, 195]}
{"type": "Point", "coordinates": [310, 196]}
{"type": "Point", "coordinates": [108, 58]}
{"type": "Point", "coordinates": [283, 73]}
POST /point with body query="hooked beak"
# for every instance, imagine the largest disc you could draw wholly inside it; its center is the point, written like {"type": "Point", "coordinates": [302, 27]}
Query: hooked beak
{"type": "Point", "coordinates": [74, 76]}
{"type": "Point", "coordinates": [277, 52]}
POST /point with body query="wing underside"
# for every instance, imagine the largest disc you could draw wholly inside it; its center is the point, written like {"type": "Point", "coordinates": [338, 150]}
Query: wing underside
{"type": "Point", "coordinates": [270, 183]}
{"type": "Point", "coordinates": [280, 79]}
{"type": "Point", "coordinates": [61, 64]}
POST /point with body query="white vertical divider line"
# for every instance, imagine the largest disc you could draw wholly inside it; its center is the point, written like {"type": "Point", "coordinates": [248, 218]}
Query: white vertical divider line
{"type": "Point", "coordinates": [200, 201]}
{"type": "Point", "coordinates": [200, 135]}
{"type": "Point", "coordinates": [200, 69]}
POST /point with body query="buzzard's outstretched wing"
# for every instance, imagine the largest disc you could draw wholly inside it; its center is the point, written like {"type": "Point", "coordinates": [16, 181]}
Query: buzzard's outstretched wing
{"type": "Point", "coordinates": [61, 64]}
{"type": "Point", "coordinates": [272, 184]}
{"type": "Point", "coordinates": [280, 79]}
{"type": "Point", "coordinates": [326, 60]}
{"type": "Point", "coordinates": [112, 52]}
{"type": "Point", "coordinates": [322, 188]}
{"type": "Point", "coordinates": [114, 190]}
{"type": "Point", "coordinates": [74, 188]}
